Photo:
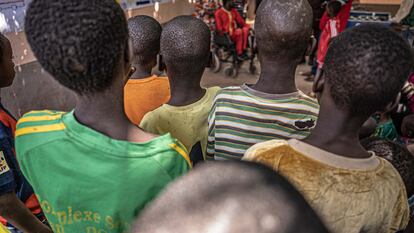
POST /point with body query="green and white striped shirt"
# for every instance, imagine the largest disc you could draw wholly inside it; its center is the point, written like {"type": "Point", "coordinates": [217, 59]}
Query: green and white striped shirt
{"type": "Point", "coordinates": [242, 117]}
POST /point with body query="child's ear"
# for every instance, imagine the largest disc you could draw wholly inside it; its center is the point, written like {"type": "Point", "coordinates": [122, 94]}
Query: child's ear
{"type": "Point", "coordinates": [128, 53]}
{"type": "Point", "coordinates": [210, 62]}
{"type": "Point", "coordinates": [161, 64]}
{"type": "Point", "coordinates": [319, 82]}
{"type": "Point", "coordinates": [393, 104]}
{"type": "Point", "coordinates": [128, 69]}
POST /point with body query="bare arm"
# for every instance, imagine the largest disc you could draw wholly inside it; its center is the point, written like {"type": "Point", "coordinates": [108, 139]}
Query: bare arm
{"type": "Point", "coordinates": [15, 212]}
{"type": "Point", "coordinates": [404, 10]}
{"type": "Point", "coordinates": [251, 9]}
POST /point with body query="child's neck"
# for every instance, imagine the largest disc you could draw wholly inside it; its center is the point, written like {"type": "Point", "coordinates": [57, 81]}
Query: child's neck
{"type": "Point", "coordinates": [337, 132]}
{"type": "Point", "coordinates": [276, 78]}
{"type": "Point", "coordinates": [104, 113]}
{"type": "Point", "coordinates": [184, 91]}
{"type": "Point", "coordinates": [141, 72]}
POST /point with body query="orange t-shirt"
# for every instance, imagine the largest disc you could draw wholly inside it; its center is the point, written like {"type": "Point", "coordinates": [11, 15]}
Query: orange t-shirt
{"type": "Point", "coordinates": [145, 95]}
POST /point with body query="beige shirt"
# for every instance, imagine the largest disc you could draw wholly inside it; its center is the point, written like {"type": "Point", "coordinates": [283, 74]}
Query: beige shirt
{"type": "Point", "coordinates": [351, 195]}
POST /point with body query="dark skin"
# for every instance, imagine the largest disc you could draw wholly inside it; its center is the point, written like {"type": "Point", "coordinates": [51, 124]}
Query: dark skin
{"type": "Point", "coordinates": [143, 70]}
{"type": "Point", "coordinates": [104, 112]}
{"type": "Point", "coordinates": [331, 12]}
{"type": "Point", "coordinates": [368, 128]}
{"type": "Point", "coordinates": [185, 90]}
{"type": "Point", "coordinates": [285, 70]}
{"type": "Point", "coordinates": [7, 66]}
{"type": "Point", "coordinates": [337, 130]}
{"type": "Point", "coordinates": [278, 58]}
{"type": "Point", "coordinates": [407, 127]}
{"type": "Point", "coordinates": [251, 9]}
{"type": "Point", "coordinates": [229, 5]}
{"type": "Point", "coordinates": [11, 207]}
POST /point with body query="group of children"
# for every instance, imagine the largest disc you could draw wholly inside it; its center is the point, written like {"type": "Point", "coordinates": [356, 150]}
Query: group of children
{"type": "Point", "coordinates": [94, 170]}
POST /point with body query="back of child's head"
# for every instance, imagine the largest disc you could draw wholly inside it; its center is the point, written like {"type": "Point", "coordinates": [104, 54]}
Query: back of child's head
{"type": "Point", "coordinates": [366, 67]}
{"type": "Point", "coordinates": [283, 29]}
{"type": "Point", "coordinates": [145, 35]}
{"type": "Point", "coordinates": [80, 43]}
{"type": "Point", "coordinates": [185, 45]}
{"type": "Point", "coordinates": [7, 71]}
{"type": "Point", "coordinates": [397, 155]}
{"type": "Point", "coordinates": [3, 43]}
{"type": "Point", "coordinates": [334, 7]}
{"type": "Point", "coordinates": [230, 197]}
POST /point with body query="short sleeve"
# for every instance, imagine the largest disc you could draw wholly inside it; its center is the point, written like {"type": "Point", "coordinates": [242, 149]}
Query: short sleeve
{"type": "Point", "coordinates": [147, 123]}
{"type": "Point", "coordinates": [177, 163]}
{"type": "Point", "coordinates": [259, 148]}
{"type": "Point", "coordinates": [401, 212]}
{"type": "Point", "coordinates": [266, 153]}
{"type": "Point", "coordinates": [210, 151]}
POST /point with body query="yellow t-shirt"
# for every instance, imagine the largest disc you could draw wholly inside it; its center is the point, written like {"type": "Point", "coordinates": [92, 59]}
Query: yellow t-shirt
{"type": "Point", "coordinates": [189, 124]}
{"type": "Point", "coordinates": [351, 195]}
{"type": "Point", "coordinates": [144, 95]}
{"type": "Point", "coordinates": [3, 229]}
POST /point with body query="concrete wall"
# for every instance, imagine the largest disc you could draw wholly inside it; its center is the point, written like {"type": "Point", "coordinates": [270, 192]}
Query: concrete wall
{"type": "Point", "coordinates": [167, 11]}
{"type": "Point", "coordinates": [35, 89]}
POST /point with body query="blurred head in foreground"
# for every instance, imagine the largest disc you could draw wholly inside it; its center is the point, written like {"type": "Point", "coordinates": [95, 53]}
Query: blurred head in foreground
{"type": "Point", "coordinates": [230, 197]}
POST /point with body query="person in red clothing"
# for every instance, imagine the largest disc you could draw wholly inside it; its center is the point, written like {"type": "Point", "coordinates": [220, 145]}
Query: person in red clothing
{"type": "Point", "coordinates": [330, 30]}
{"type": "Point", "coordinates": [343, 15]}
{"type": "Point", "coordinates": [229, 21]}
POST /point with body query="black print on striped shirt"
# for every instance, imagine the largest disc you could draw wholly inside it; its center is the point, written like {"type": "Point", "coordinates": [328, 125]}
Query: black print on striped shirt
{"type": "Point", "coordinates": [306, 124]}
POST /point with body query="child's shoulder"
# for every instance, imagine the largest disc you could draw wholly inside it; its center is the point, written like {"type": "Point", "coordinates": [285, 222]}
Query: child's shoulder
{"type": "Point", "coordinates": [232, 90]}
{"type": "Point", "coordinates": [268, 150]}
{"type": "Point", "coordinates": [176, 160]}
{"type": "Point", "coordinates": [7, 123]}
{"type": "Point", "coordinates": [35, 118]}
{"type": "Point", "coordinates": [38, 123]}
{"type": "Point", "coordinates": [388, 172]}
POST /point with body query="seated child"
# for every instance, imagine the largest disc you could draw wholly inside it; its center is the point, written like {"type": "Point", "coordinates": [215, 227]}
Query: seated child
{"type": "Point", "coordinates": [185, 48]}
{"type": "Point", "coordinates": [330, 30]}
{"type": "Point", "coordinates": [352, 190]}
{"type": "Point", "coordinates": [92, 169]}
{"type": "Point", "coordinates": [244, 198]}
{"type": "Point", "coordinates": [273, 108]}
{"type": "Point", "coordinates": [386, 128]}
{"type": "Point", "coordinates": [144, 92]}
{"type": "Point", "coordinates": [229, 21]}
{"type": "Point", "coordinates": [18, 204]}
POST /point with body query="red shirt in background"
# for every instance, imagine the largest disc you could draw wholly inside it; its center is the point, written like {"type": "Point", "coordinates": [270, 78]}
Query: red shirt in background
{"type": "Point", "coordinates": [343, 17]}
{"type": "Point", "coordinates": [228, 21]}
{"type": "Point", "coordinates": [331, 30]}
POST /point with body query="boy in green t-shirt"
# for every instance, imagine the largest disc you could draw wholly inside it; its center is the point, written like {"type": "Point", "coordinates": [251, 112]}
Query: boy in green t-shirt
{"type": "Point", "coordinates": [92, 170]}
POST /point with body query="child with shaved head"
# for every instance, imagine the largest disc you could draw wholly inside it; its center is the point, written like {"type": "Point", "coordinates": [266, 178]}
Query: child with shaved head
{"type": "Point", "coordinates": [91, 169]}
{"type": "Point", "coordinates": [352, 189]}
{"type": "Point", "coordinates": [144, 92]}
{"type": "Point", "coordinates": [273, 108]}
{"type": "Point", "coordinates": [185, 49]}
